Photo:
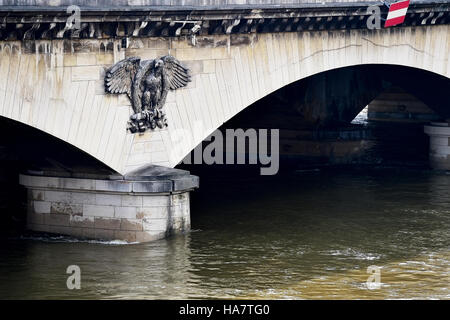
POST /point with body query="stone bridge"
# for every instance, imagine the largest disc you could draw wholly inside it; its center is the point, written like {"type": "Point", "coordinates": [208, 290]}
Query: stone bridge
{"type": "Point", "coordinates": [52, 76]}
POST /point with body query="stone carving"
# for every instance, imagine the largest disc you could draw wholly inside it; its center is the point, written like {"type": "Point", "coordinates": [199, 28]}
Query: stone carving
{"type": "Point", "coordinates": [146, 83]}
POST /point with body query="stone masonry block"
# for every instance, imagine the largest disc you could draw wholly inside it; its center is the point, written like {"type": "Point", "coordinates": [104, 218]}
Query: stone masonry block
{"type": "Point", "coordinates": [83, 184]}
{"type": "Point", "coordinates": [98, 211]}
{"type": "Point", "coordinates": [131, 224]}
{"type": "Point", "coordinates": [153, 212]}
{"type": "Point", "coordinates": [83, 197]}
{"type": "Point", "coordinates": [209, 66]}
{"type": "Point", "coordinates": [38, 227]}
{"type": "Point", "coordinates": [107, 223]}
{"type": "Point", "coordinates": [85, 73]}
{"type": "Point", "coordinates": [114, 186]}
{"type": "Point", "coordinates": [146, 236]}
{"type": "Point", "coordinates": [41, 206]}
{"type": "Point", "coordinates": [150, 224]}
{"type": "Point", "coordinates": [180, 198]}
{"type": "Point", "coordinates": [66, 208]}
{"type": "Point", "coordinates": [37, 195]}
{"type": "Point", "coordinates": [105, 59]}
{"type": "Point", "coordinates": [57, 219]}
{"type": "Point", "coordinates": [104, 234]}
{"type": "Point", "coordinates": [86, 59]}
{"type": "Point", "coordinates": [108, 199]}
{"type": "Point", "coordinates": [152, 186]}
{"type": "Point", "coordinates": [35, 218]}
{"type": "Point", "coordinates": [128, 236]}
{"type": "Point", "coordinates": [131, 201]}
{"type": "Point", "coordinates": [82, 222]}
{"type": "Point", "coordinates": [125, 212]}
{"type": "Point", "coordinates": [155, 201]}
{"type": "Point", "coordinates": [58, 196]}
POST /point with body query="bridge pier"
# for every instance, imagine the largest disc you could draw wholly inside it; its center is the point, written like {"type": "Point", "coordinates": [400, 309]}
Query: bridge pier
{"type": "Point", "coordinates": [439, 133]}
{"type": "Point", "coordinates": [147, 205]}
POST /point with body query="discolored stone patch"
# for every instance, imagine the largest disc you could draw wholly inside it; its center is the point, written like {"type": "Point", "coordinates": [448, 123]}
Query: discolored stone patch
{"type": "Point", "coordinates": [131, 224]}
{"type": "Point", "coordinates": [66, 208]}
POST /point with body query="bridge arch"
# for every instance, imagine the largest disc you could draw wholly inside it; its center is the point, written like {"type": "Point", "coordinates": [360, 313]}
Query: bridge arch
{"type": "Point", "coordinates": [57, 85]}
{"type": "Point", "coordinates": [271, 63]}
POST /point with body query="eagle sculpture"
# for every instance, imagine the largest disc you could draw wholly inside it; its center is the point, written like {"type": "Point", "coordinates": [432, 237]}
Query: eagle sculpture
{"type": "Point", "coordinates": [146, 83]}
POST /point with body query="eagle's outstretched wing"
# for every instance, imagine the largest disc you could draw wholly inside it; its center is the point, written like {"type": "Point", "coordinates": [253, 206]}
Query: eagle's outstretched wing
{"type": "Point", "coordinates": [176, 75]}
{"type": "Point", "coordinates": [119, 78]}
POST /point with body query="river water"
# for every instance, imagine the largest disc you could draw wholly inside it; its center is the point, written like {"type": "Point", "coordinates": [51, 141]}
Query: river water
{"type": "Point", "coordinates": [309, 234]}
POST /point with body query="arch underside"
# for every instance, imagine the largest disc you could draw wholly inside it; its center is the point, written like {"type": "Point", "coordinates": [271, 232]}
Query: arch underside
{"type": "Point", "coordinates": [25, 148]}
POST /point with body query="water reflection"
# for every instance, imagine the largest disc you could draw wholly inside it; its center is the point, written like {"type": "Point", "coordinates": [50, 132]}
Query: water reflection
{"type": "Point", "coordinates": [309, 235]}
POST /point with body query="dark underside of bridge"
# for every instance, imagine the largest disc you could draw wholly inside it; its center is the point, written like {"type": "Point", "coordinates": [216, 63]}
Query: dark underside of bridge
{"type": "Point", "coordinates": [24, 148]}
{"type": "Point", "coordinates": [314, 116]}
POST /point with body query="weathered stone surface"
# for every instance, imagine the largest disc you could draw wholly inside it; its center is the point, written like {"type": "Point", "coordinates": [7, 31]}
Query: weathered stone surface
{"type": "Point", "coordinates": [125, 212]}
{"type": "Point", "coordinates": [58, 196]}
{"type": "Point", "coordinates": [115, 186]}
{"type": "Point", "coordinates": [152, 186]}
{"type": "Point", "coordinates": [57, 219]}
{"type": "Point", "coordinates": [180, 224]}
{"type": "Point", "coordinates": [82, 197]}
{"type": "Point", "coordinates": [88, 233]}
{"type": "Point", "coordinates": [41, 206]}
{"type": "Point", "coordinates": [129, 236]}
{"type": "Point", "coordinates": [107, 223]}
{"type": "Point", "coordinates": [37, 195]}
{"type": "Point", "coordinates": [66, 208]}
{"type": "Point", "coordinates": [152, 224]}
{"type": "Point", "coordinates": [180, 198]}
{"type": "Point", "coordinates": [38, 227]}
{"type": "Point", "coordinates": [35, 218]}
{"type": "Point", "coordinates": [60, 229]}
{"type": "Point", "coordinates": [155, 201]}
{"type": "Point", "coordinates": [186, 183]}
{"type": "Point", "coordinates": [104, 234]}
{"type": "Point", "coordinates": [108, 199]}
{"type": "Point", "coordinates": [439, 151]}
{"type": "Point", "coordinates": [152, 212]}
{"type": "Point", "coordinates": [146, 236]}
{"type": "Point", "coordinates": [131, 201]}
{"type": "Point", "coordinates": [98, 211]}
{"type": "Point", "coordinates": [131, 224]}
{"type": "Point", "coordinates": [85, 73]}
{"type": "Point", "coordinates": [82, 222]}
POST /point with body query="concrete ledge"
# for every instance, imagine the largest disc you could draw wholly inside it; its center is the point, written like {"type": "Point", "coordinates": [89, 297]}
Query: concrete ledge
{"type": "Point", "coordinates": [438, 129]}
{"type": "Point", "coordinates": [147, 180]}
{"type": "Point", "coordinates": [135, 209]}
{"type": "Point", "coordinates": [439, 133]}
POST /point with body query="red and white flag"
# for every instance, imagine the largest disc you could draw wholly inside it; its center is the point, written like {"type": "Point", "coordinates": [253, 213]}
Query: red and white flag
{"type": "Point", "coordinates": [397, 13]}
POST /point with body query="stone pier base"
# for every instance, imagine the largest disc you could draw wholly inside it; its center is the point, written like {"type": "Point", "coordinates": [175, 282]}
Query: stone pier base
{"type": "Point", "coordinates": [148, 205]}
{"type": "Point", "coordinates": [439, 133]}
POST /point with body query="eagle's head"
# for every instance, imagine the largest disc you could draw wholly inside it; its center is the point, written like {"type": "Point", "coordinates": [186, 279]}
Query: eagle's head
{"type": "Point", "coordinates": [159, 63]}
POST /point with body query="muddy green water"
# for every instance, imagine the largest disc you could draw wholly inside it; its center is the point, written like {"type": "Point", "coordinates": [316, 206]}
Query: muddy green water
{"type": "Point", "coordinates": [306, 235]}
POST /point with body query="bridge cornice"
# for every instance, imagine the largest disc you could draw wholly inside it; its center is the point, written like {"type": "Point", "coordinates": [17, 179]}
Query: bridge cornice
{"type": "Point", "coordinates": [37, 22]}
